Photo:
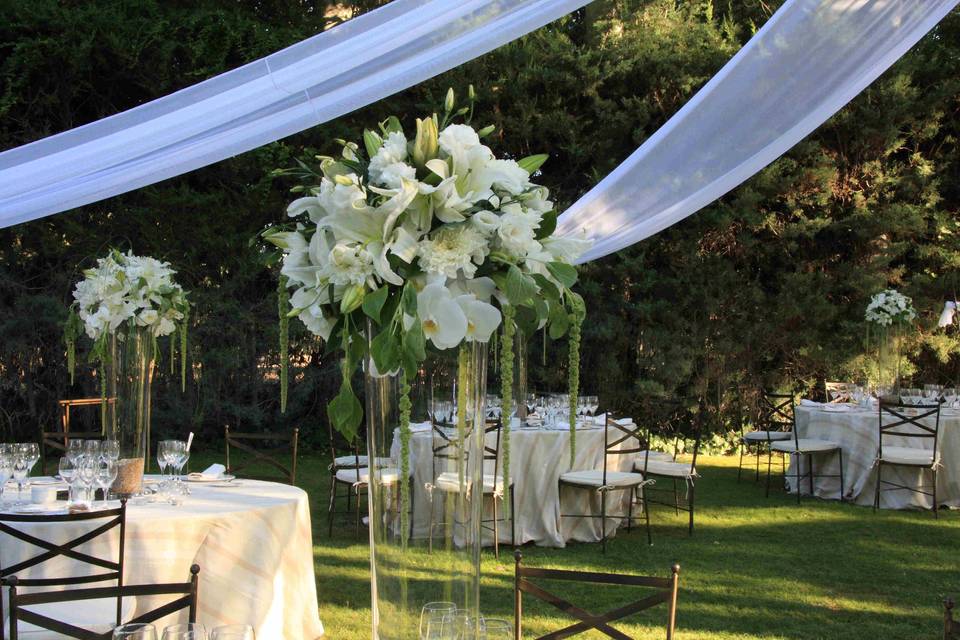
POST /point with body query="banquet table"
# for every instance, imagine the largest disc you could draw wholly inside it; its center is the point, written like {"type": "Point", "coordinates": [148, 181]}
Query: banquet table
{"type": "Point", "coordinates": [252, 540]}
{"type": "Point", "coordinates": [538, 456]}
{"type": "Point", "coordinates": [856, 430]}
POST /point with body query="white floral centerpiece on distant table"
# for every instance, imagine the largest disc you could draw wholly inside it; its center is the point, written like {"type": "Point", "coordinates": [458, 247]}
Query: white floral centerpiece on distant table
{"type": "Point", "coordinates": [432, 238]}
{"type": "Point", "coordinates": [890, 307]}
{"type": "Point", "coordinates": [888, 314]}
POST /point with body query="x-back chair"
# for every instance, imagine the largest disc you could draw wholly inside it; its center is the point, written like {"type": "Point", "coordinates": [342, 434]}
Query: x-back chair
{"type": "Point", "coordinates": [899, 420]}
{"type": "Point", "coordinates": [258, 447]}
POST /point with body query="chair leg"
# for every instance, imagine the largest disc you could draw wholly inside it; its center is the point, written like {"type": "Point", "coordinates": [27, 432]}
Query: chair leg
{"type": "Point", "coordinates": [842, 492]}
{"type": "Point", "coordinates": [646, 514]}
{"type": "Point", "coordinates": [876, 494]}
{"type": "Point", "coordinates": [331, 506]}
{"type": "Point", "coordinates": [603, 519]}
{"type": "Point", "coordinates": [936, 511]}
{"type": "Point", "coordinates": [690, 502]}
{"type": "Point", "coordinates": [759, 452]}
{"type": "Point", "coordinates": [357, 489]}
{"type": "Point", "coordinates": [496, 531]}
{"type": "Point", "coordinates": [513, 520]}
{"type": "Point", "coordinates": [799, 461]}
{"type": "Point", "coordinates": [630, 513]}
{"type": "Point", "coordinates": [810, 466]}
{"type": "Point", "coordinates": [769, 465]}
{"type": "Point", "coordinates": [430, 525]}
{"type": "Point", "coordinates": [676, 498]}
{"type": "Point", "coordinates": [740, 464]}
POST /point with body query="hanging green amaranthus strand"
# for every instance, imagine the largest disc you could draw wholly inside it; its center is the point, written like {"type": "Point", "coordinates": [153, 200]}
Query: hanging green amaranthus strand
{"type": "Point", "coordinates": [577, 315]}
{"type": "Point", "coordinates": [506, 394]}
{"type": "Point", "coordinates": [173, 352]}
{"type": "Point", "coordinates": [72, 329]}
{"type": "Point", "coordinates": [405, 406]}
{"type": "Point", "coordinates": [463, 374]}
{"type": "Point", "coordinates": [184, 325]}
{"type": "Point", "coordinates": [283, 302]}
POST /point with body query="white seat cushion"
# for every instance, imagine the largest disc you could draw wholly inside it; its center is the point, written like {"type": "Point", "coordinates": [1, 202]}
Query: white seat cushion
{"type": "Point", "coordinates": [450, 481]}
{"type": "Point", "coordinates": [908, 455]}
{"type": "Point", "coordinates": [352, 462]}
{"type": "Point", "coordinates": [763, 436]}
{"type": "Point", "coordinates": [595, 478]}
{"type": "Point", "coordinates": [663, 456]}
{"type": "Point", "coordinates": [807, 445]}
{"type": "Point", "coordinates": [388, 475]}
{"type": "Point", "coordinates": [98, 616]}
{"type": "Point", "coordinates": [665, 468]}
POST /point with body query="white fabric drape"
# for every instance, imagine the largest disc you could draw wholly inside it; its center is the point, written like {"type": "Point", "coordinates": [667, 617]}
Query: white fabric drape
{"type": "Point", "coordinates": [808, 60]}
{"type": "Point", "coordinates": [353, 65]}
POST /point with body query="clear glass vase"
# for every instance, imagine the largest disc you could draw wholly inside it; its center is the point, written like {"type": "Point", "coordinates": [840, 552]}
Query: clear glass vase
{"type": "Point", "coordinates": [520, 374]}
{"type": "Point", "coordinates": [130, 368]}
{"type": "Point", "coordinates": [888, 363]}
{"type": "Point", "coordinates": [425, 531]}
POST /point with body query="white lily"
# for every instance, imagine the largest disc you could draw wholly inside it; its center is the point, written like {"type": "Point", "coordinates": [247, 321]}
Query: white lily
{"type": "Point", "coordinates": [309, 205]}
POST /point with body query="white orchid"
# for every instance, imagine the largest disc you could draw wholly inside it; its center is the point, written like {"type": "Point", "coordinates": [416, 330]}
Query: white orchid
{"type": "Point", "coordinates": [482, 318]}
{"type": "Point", "coordinates": [443, 320]}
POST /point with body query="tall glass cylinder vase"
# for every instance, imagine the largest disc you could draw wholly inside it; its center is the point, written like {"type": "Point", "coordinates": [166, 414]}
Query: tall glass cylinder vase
{"type": "Point", "coordinates": [888, 361]}
{"type": "Point", "coordinates": [130, 367]}
{"type": "Point", "coordinates": [425, 531]}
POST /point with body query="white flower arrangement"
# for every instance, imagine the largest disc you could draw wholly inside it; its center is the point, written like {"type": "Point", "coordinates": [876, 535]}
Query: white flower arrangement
{"type": "Point", "coordinates": [890, 307]}
{"type": "Point", "coordinates": [430, 238]}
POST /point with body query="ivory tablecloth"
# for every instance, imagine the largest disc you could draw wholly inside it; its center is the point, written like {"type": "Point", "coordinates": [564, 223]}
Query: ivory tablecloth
{"type": "Point", "coordinates": [537, 458]}
{"type": "Point", "coordinates": [252, 541]}
{"type": "Point", "coordinates": [856, 430]}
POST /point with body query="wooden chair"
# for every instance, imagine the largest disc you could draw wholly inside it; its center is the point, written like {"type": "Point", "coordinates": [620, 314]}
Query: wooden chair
{"type": "Point", "coordinates": [655, 469]}
{"type": "Point", "coordinates": [102, 523]}
{"type": "Point", "coordinates": [56, 441]}
{"type": "Point", "coordinates": [253, 443]}
{"type": "Point", "coordinates": [666, 592]}
{"type": "Point", "coordinates": [836, 391]}
{"type": "Point", "coordinates": [449, 482]}
{"type": "Point", "coordinates": [774, 424]}
{"type": "Point", "coordinates": [606, 481]}
{"type": "Point", "coordinates": [894, 422]}
{"type": "Point", "coordinates": [19, 603]}
{"type": "Point", "coordinates": [951, 628]}
{"type": "Point", "coordinates": [809, 448]}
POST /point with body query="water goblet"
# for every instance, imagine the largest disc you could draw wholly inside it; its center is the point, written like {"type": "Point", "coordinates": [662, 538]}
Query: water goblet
{"type": "Point", "coordinates": [163, 460]}
{"type": "Point", "coordinates": [74, 449]}
{"type": "Point", "coordinates": [431, 618]}
{"type": "Point", "coordinates": [135, 631]}
{"type": "Point", "coordinates": [32, 453]}
{"type": "Point", "coordinates": [6, 468]}
{"type": "Point", "coordinates": [460, 625]}
{"type": "Point", "coordinates": [187, 631]}
{"type": "Point", "coordinates": [233, 632]}
{"type": "Point", "coordinates": [106, 475]}
{"type": "Point", "coordinates": [494, 629]}
{"type": "Point", "coordinates": [91, 448]}
{"type": "Point", "coordinates": [68, 473]}
{"type": "Point", "coordinates": [110, 449]}
{"type": "Point", "coordinates": [86, 479]}
{"type": "Point", "coordinates": [180, 457]}
{"type": "Point", "coordinates": [21, 467]}
{"type": "Point", "coordinates": [949, 397]}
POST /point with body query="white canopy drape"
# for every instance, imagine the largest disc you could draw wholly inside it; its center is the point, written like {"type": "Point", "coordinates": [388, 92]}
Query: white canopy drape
{"type": "Point", "coordinates": [808, 60]}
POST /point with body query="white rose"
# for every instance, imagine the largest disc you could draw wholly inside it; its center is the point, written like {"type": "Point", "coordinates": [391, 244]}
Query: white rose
{"type": "Point", "coordinates": [517, 231]}
{"type": "Point", "coordinates": [486, 222]}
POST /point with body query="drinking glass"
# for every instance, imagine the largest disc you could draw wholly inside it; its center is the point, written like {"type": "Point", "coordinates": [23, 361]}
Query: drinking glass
{"type": "Point", "coordinates": [188, 631]}
{"type": "Point", "coordinates": [431, 618]}
{"type": "Point", "coordinates": [31, 450]}
{"type": "Point", "coordinates": [106, 474]}
{"type": "Point", "coordinates": [135, 631]}
{"type": "Point", "coordinates": [531, 401]}
{"type": "Point", "coordinates": [91, 448]}
{"type": "Point", "coordinates": [110, 449]}
{"type": "Point", "coordinates": [68, 473]}
{"type": "Point", "coordinates": [163, 460]}
{"type": "Point", "coordinates": [74, 449]}
{"type": "Point", "coordinates": [460, 625]}
{"type": "Point", "coordinates": [594, 405]}
{"type": "Point", "coordinates": [233, 632]}
{"type": "Point", "coordinates": [497, 629]}
{"type": "Point", "coordinates": [21, 467]}
{"type": "Point", "coordinates": [6, 468]}
{"type": "Point", "coordinates": [180, 457]}
{"type": "Point", "coordinates": [931, 392]}
{"type": "Point", "coordinates": [86, 478]}
{"type": "Point", "coordinates": [950, 396]}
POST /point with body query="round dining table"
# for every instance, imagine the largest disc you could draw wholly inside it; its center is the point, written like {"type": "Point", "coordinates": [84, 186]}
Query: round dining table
{"type": "Point", "coordinates": [538, 456]}
{"type": "Point", "coordinates": [251, 539]}
{"type": "Point", "coordinates": [856, 430]}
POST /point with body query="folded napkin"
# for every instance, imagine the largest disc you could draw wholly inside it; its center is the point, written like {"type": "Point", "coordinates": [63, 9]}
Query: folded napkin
{"type": "Point", "coordinates": [213, 472]}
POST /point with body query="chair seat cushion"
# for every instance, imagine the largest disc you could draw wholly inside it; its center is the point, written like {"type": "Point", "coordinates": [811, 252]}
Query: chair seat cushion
{"type": "Point", "coordinates": [450, 481]}
{"type": "Point", "coordinates": [806, 445]}
{"type": "Point", "coordinates": [670, 468]}
{"type": "Point", "coordinates": [654, 455]}
{"type": "Point", "coordinates": [352, 462]}
{"type": "Point", "coordinates": [764, 436]}
{"type": "Point", "coordinates": [98, 616]}
{"type": "Point", "coordinates": [595, 478]}
{"type": "Point", "coordinates": [388, 475]}
{"type": "Point", "coordinates": [908, 455]}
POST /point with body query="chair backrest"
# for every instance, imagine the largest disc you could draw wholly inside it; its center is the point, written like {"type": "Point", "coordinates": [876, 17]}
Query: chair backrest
{"type": "Point", "coordinates": [102, 523]}
{"type": "Point", "coordinates": [896, 421]}
{"type": "Point", "coordinates": [843, 388]}
{"type": "Point", "coordinates": [272, 457]}
{"type": "Point", "coordinates": [341, 447]}
{"type": "Point", "coordinates": [188, 592]}
{"type": "Point", "coordinates": [682, 426]}
{"type": "Point", "coordinates": [776, 411]}
{"type": "Point", "coordinates": [618, 441]}
{"type": "Point", "coordinates": [491, 450]}
{"type": "Point", "coordinates": [56, 441]}
{"type": "Point", "coordinates": [665, 592]}
{"type": "Point", "coordinates": [951, 628]}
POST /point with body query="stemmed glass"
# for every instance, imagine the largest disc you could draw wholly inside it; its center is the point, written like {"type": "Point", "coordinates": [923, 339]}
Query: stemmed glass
{"type": "Point", "coordinates": [87, 472]}
{"type": "Point", "coordinates": [6, 467]}
{"type": "Point", "coordinates": [188, 631]}
{"type": "Point", "coordinates": [110, 449]}
{"type": "Point", "coordinates": [593, 403]}
{"type": "Point", "coordinates": [91, 448]}
{"type": "Point", "coordinates": [233, 632]}
{"type": "Point", "coordinates": [931, 392]}
{"type": "Point", "coordinates": [497, 629]}
{"type": "Point", "coordinates": [68, 473]}
{"type": "Point", "coordinates": [950, 397]}
{"type": "Point", "coordinates": [21, 467]}
{"type": "Point", "coordinates": [163, 459]}
{"type": "Point", "coordinates": [74, 449]}
{"type": "Point", "coordinates": [135, 631]}
{"type": "Point", "coordinates": [431, 618]}
{"type": "Point", "coordinates": [460, 625]}
{"type": "Point", "coordinates": [106, 475]}
{"type": "Point", "coordinates": [180, 457]}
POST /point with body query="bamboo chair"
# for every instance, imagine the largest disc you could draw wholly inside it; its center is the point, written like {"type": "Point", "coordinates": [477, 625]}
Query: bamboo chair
{"type": "Point", "coordinates": [666, 593]}
{"type": "Point", "coordinates": [253, 443]}
{"type": "Point", "coordinates": [56, 441]}
{"type": "Point", "coordinates": [894, 422]}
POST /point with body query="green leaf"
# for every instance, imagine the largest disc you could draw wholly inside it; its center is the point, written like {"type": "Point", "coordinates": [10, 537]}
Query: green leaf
{"type": "Point", "coordinates": [559, 322]}
{"type": "Point", "coordinates": [391, 125]}
{"type": "Point", "coordinates": [385, 351]}
{"type": "Point", "coordinates": [548, 224]}
{"type": "Point", "coordinates": [415, 342]}
{"type": "Point", "coordinates": [564, 273]}
{"type": "Point", "coordinates": [526, 319]}
{"type": "Point", "coordinates": [372, 142]}
{"type": "Point", "coordinates": [519, 287]}
{"type": "Point", "coordinates": [373, 303]}
{"type": "Point", "coordinates": [345, 412]}
{"type": "Point", "coordinates": [532, 163]}
{"type": "Point", "coordinates": [409, 301]}
{"type": "Point", "coordinates": [547, 288]}
{"type": "Point", "coordinates": [541, 308]}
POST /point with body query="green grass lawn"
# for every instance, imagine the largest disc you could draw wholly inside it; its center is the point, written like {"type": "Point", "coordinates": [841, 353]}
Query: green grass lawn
{"type": "Point", "coordinates": [754, 568]}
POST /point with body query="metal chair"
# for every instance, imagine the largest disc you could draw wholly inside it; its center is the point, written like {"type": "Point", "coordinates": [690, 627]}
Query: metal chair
{"type": "Point", "coordinates": [19, 603]}
{"type": "Point", "coordinates": [449, 481]}
{"type": "Point", "coordinates": [605, 481]}
{"type": "Point", "coordinates": [103, 569]}
{"type": "Point", "coordinates": [775, 421]}
{"type": "Point", "coordinates": [653, 468]}
{"type": "Point", "coordinates": [246, 441]}
{"type": "Point", "coordinates": [57, 440]}
{"type": "Point", "coordinates": [894, 422]}
{"type": "Point", "coordinates": [951, 628]}
{"type": "Point", "coordinates": [805, 447]}
{"type": "Point", "coordinates": [666, 593]}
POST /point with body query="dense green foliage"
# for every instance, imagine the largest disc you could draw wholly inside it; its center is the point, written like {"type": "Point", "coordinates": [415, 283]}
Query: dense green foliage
{"type": "Point", "coordinates": [766, 286]}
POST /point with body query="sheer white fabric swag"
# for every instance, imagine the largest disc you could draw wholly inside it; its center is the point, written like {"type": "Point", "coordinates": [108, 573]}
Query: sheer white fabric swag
{"type": "Point", "coordinates": [808, 60]}
{"type": "Point", "coordinates": [352, 65]}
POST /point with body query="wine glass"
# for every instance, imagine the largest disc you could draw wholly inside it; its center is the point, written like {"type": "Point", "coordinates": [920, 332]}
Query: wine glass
{"type": "Point", "coordinates": [91, 448]}
{"type": "Point", "coordinates": [6, 467]}
{"type": "Point", "coordinates": [494, 629]}
{"type": "Point", "coordinates": [950, 396]}
{"type": "Point", "coordinates": [110, 449]}
{"type": "Point", "coordinates": [87, 478]}
{"type": "Point", "coordinates": [931, 392]}
{"type": "Point", "coordinates": [187, 631]}
{"type": "Point", "coordinates": [179, 456]}
{"type": "Point", "coordinates": [74, 449]}
{"type": "Point", "coordinates": [431, 618]}
{"type": "Point", "coordinates": [460, 625]}
{"type": "Point", "coordinates": [135, 631]}
{"type": "Point", "coordinates": [21, 467]}
{"type": "Point", "coordinates": [233, 632]}
{"type": "Point", "coordinates": [106, 475]}
{"type": "Point", "coordinates": [163, 460]}
{"type": "Point", "coordinates": [68, 473]}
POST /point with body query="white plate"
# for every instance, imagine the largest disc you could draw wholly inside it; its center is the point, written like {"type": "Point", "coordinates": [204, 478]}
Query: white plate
{"type": "Point", "coordinates": [226, 477]}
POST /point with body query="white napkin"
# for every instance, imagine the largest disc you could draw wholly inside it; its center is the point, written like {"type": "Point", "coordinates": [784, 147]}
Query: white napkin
{"type": "Point", "coordinates": [213, 472]}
